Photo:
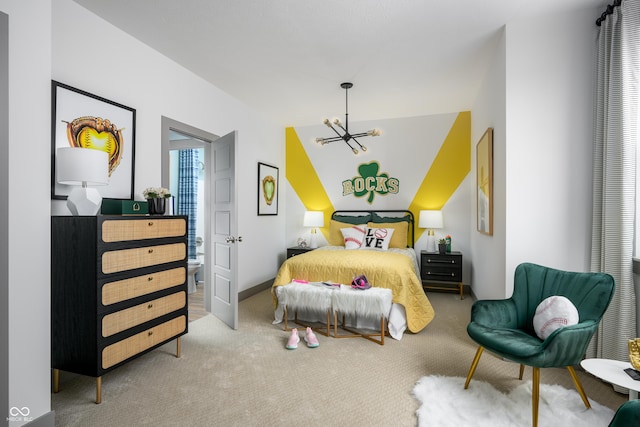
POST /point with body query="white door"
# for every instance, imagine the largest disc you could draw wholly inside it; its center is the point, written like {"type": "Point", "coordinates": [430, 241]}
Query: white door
{"type": "Point", "coordinates": [224, 289]}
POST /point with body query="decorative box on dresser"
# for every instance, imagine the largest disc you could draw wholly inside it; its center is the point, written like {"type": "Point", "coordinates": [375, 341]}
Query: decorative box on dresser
{"type": "Point", "coordinates": [437, 268]}
{"type": "Point", "coordinates": [118, 290]}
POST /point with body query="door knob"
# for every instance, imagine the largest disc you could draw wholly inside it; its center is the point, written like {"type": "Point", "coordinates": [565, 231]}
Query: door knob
{"type": "Point", "coordinates": [230, 239]}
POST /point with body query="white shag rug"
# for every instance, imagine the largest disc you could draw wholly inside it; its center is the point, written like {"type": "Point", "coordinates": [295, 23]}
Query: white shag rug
{"type": "Point", "coordinates": [445, 402]}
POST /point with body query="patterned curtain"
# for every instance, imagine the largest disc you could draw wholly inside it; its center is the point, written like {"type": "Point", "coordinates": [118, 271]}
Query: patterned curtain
{"type": "Point", "coordinates": [188, 194]}
{"type": "Point", "coordinates": [614, 174]}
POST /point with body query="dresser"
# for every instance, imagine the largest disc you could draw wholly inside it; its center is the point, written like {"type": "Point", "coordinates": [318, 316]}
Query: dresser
{"type": "Point", "coordinates": [118, 290]}
{"type": "Point", "coordinates": [441, 268]}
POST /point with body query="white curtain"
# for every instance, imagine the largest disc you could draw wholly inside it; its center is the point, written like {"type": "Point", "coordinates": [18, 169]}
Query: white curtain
{"type": "Point", "coordinates": [614, 173]}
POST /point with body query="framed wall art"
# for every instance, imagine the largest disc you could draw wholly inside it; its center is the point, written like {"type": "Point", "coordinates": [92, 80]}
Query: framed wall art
{"type": "Point", "coordinates": [484, 183]}
{"type": "Point", "coordinates": [267, 189]}
{"type": "Point", "coordinates": [80, 119]}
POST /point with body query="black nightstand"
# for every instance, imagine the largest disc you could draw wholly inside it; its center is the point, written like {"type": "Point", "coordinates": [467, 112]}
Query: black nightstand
{"type": "Point", "coordinates": [296, 251]}
{"type": "Point", "coordinates": [436, 267]}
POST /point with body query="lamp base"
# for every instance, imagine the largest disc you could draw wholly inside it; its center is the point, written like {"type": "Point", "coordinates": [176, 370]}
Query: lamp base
{"type": "Point", "coordinates": [431, 243]}
{"type": "Point", "coordinates": [84, 201]}
{"type": "Point", "coordinates": [313, 239]}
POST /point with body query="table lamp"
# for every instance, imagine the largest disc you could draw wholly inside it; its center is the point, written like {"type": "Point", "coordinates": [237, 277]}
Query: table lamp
{"type": "Point", "coordinates": [313, 219]}
{"type": "Point", "coordinates": [431, 219]}
{"type": "Point", "coordinates": [82, 167]}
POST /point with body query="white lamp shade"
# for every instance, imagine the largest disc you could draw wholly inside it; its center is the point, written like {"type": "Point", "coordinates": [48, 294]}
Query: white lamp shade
{"type": "Point", "coordinates": [313, 219]}
{"type": "Point", "coordinates": [82, 166]}
{"type": "Point", "coordinates": [430, 219]}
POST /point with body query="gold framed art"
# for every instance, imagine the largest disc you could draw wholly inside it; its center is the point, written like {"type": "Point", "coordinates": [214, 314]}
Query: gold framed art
{"type": "Point", "coordinates": [484, 183]}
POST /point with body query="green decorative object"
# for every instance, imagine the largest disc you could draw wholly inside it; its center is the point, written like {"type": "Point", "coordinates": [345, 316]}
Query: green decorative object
{"type": "Point", "coordinates": [123, 207]}
{"type": "Point", "coordinates": [370, 182]}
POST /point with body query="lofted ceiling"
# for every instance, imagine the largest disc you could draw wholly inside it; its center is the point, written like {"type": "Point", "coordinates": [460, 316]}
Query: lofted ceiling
{"type": "Point", "coordinates": [287, 58]}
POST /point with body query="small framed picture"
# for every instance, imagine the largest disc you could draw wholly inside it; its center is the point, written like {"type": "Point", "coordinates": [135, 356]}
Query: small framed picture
{"type": "Point", "coordinates": [80, 119]}
{"type": "Point", "coordinates": [267, 189]}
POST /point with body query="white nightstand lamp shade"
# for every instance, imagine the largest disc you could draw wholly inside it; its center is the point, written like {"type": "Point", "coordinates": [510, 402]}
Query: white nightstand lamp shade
{"type": "Point", "coordinates": [82, 167]}
{"type": "Point", "coordinates": [313, 219]}
{"type": "Point", "coordinates": [431, 219]}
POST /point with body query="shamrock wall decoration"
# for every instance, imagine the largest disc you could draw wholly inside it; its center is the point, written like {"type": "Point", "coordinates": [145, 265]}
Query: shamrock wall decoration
{"type": "Point", "coordinates": [370, 182]}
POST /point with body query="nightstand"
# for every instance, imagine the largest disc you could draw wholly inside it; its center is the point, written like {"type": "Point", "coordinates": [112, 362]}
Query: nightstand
{"type": "Point", "coordinates": [296, 251]}
{"type": "Point", "coordinates": [436, 267]}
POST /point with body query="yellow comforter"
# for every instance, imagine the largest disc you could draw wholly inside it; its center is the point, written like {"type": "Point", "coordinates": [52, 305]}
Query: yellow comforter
{"type": "Point", "coordinates": [385, 269]}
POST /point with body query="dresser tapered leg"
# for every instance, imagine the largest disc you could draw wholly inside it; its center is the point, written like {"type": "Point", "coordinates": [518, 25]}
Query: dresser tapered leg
{"type": "Point", "coordinates": [178, 347]}
{"type": "Point", "coordinates": [99, 390]}
{"type": "Point", "coordinates": [56, 380]}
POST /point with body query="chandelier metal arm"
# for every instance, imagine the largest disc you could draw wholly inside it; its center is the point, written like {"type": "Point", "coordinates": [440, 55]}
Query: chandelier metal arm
{"type": "Point", "coordinates": [347, 136]}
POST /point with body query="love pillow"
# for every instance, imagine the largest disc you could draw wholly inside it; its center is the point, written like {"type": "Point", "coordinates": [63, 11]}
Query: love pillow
{"type": "Point", "coordinates": [554, 313]}
{"type": "Point", "coordinates": [353, 236]}
{"type": "Point", "coordinates": [377, 238]}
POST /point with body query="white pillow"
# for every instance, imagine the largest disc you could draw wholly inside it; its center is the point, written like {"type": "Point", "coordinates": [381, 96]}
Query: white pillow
{"type": "Point", "coordinates": [353, 236]}
{"type": "Point", "coordinates": [377, 238]}
{"type": "Point", "coordinates": [554, 313]}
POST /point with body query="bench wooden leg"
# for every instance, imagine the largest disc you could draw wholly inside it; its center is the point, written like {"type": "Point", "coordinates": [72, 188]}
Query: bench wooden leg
{"type": "Point", "coordinates": [358, 334]}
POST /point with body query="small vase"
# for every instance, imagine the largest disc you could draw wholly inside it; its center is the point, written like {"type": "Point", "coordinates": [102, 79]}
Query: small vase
{"type": "Point", "coordinates": [442, 248]}
{"type": "Point", "coordinates": [156, 206]}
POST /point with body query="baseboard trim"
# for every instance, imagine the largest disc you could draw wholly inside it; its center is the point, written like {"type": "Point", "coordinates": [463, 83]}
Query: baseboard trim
{"type": "Point", "coordinates": [255, 289]}
{"type": "Point", "coordinates": [46, 420]}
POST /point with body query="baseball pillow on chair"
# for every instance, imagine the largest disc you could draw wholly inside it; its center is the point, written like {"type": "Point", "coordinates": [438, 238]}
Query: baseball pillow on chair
{"type": "Point", "coordinates": [554, 313]}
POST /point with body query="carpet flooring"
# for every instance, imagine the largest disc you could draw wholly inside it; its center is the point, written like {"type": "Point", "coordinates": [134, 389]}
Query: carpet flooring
{"type": "Point", "coordinates": [246, 377]}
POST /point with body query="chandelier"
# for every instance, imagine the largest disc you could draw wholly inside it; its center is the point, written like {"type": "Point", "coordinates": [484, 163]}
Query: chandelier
{"type": "Point", "coordinates": [346, 137]}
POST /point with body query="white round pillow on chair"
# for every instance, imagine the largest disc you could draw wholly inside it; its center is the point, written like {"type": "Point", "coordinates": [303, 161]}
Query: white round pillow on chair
{"type": "Point", "coordinates": [553, 313]}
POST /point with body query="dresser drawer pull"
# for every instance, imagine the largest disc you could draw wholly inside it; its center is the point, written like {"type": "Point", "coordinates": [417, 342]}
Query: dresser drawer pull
{"type": "Point", "coordinates": [150, 278]}
{"type": "Point", "coordinates": [150, 306]}
{"type": "Point", "coordinates": [150, 333]}
{"type": "Point", "coordinates": [150, 224]}
{"type": "Point", "coordinates": [150, 251]}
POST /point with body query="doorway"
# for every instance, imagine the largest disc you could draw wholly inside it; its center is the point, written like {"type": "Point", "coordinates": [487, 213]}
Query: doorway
{"type": "Point", "coordinates": [192, 152]}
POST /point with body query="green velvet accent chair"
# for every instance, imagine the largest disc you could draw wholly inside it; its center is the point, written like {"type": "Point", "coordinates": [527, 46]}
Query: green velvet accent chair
{"type": "Point", "coordinates": [505, 327]}
{"type": "Point", "coordinates": [628, 414]}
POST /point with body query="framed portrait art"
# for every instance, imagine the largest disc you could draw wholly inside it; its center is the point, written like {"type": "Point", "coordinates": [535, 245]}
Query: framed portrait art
{"type": "Point", "coordinates": [80, 119]}
{"type": "Point", "coordinates": [484, 183]}
{"type": "Point", "coordinates": [267, 189]}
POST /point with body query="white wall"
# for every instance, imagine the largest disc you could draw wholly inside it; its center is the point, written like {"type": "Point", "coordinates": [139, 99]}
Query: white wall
{"type": "Point", "coordinates": [538, 97]}
{"type": "Point", "coordinates": [549, 141]}
{"type": "Point", "coordinates": [489, 111]}
{"type": "Point", "coordinates": [28, 205]}
{"type": "Point", "coordinates": [155, 86]}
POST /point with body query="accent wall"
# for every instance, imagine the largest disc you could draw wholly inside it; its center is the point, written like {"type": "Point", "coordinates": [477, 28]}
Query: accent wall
{"type": "Point", "coordinates": [417, 163]}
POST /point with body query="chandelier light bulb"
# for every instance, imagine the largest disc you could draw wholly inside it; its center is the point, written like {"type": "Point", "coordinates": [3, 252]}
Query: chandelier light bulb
{"type": "Point", "coordinates": [355, 151]}
{"type": "Point", "coordinates": [336, 121]}
{"type": "Point", "coordinates": [374, 132]}
{"type": "Point", "coordinates": [363, 148]}
{"type": "Point", "coordinates": [326, 122]}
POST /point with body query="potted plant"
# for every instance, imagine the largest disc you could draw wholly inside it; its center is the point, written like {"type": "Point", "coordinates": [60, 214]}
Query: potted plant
{"type": "Point", "coordinates": [156, 197]}
{"type": "Point", "coordinates": [442, 246]}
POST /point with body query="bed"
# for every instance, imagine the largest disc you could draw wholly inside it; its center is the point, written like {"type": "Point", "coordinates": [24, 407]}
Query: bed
{"type": "Point", "coordinates": [386, 257]}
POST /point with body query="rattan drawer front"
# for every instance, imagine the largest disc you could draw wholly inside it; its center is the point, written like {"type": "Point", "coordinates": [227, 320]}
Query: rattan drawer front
{"type": "Point", "coordinates": [123, 290]}
{"type": "Point", "coordinates": [128, 347]}
{"type": "Point", "coordinates": [128, 259]}
{"type": "Point", "coordinates": [138, 314]}
{"type": "Point", "coordinates": [139, 229]}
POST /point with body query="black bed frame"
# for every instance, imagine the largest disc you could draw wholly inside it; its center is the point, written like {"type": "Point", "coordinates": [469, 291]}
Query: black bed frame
{"type": "Point", "coordinates": [370, 212]}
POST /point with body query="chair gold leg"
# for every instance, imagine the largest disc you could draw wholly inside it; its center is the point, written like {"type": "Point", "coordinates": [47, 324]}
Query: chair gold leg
{"type": "Point", "coordinates": [576, 381]}
{"type": "Point", "coordinates": [521, 371]}
{"type": "Point", "coordinates": [474, 365]}
{"type": "Point", "coordinates": [535, 395]}
{"type": "Point", "coordinates": [178, 347]}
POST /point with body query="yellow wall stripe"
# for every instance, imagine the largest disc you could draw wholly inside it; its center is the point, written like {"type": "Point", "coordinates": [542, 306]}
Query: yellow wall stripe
{"type": "Point", "coordinates": [304, 180]}
{"type": "Point", "coordinates": [450, 167]}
